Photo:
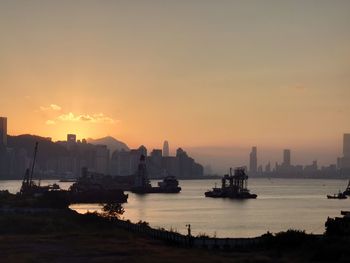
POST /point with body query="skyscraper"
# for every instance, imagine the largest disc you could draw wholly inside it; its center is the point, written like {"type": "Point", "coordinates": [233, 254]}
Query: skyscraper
{"type": "Point", "coordinates": [165, 149]}
{"type": "Point", "coordinates": [346, 145]}
{"type": "Point", "coordinates": [3, 131]}
{"type": "Point", "coordinates": [268, 168]}
{"type": "Point", "coordinates": [286, 157]}
{"type": "Point", "coordinates": [71, 138]}
{"type": "Point", "coordinates": [344, 162]}
{"type": "Point", "coordinates": [253, 161]}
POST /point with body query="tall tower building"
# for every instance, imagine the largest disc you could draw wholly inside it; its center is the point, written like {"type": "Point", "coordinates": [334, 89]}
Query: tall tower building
{"type": "Point", "coordinates": [346, 145]}
{"type": "Point", "coordinates": [165, 149]}
{"type": "Point", "coordinates": [286, 157]}
{"type": "Point", "coordinates": [268, 168]}
{"type": "Point", "coordinates": [3, 131]}
{"type": "Point", "coordinates": [253, 161]}
{"type": "Point", "coordinates": [344, 162]}
{"type": "Point", "coordinates": [71, 140]}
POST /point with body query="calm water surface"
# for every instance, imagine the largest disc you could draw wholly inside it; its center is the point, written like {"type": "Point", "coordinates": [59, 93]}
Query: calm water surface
{"type": "Point", "coordinates": [281, 204]}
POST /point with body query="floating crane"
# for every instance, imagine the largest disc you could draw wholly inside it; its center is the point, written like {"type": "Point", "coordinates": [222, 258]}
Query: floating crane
{"type": "Point", "coordinates": [28, 184]}
{"type": "Point", "coordinates": [233, 186]}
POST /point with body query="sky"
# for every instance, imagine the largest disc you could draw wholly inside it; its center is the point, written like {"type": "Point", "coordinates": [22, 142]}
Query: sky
{"type": "Point", "coordinates": [215, 77]}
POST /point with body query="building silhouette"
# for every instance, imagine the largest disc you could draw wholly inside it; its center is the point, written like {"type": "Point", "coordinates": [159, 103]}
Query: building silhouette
{"type": "Point", "coordinates": [286, 158]}
{"type": "Point", "coordinates": [7, 155]}
{"type": "Point", "coordinates": [155, 163]}
{"type": "Point", "coordinates": [120, 162]}
{"type": "Point", "coordinates": [71, 140]}
{"type": "Point", "coordinates": [165, 149]}
{"type": "Point", "coordinates": [253, 161]}
{"type": "Point", "coordinates": [268, 167]}
{"type": "Point", "coordinates": [102, 159]}
{"type": "Point", "coordinates": [3, 131]}
{"type": "Point", "coordinates": [158, 166]}
{"type": "Point", "coordinates": [346, 145]}
{"type": "Point", "coordinates": [344, 162]}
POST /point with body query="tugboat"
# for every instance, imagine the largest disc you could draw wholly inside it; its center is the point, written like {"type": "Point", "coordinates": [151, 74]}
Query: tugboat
{"type": "Point", "coordinates": [340, 195]}
{"type": "Point", "coordinates": [169, 185]}
{"type": "Point", "coordinates": [142, 184]}
{"type": "Point", "coordinates": [233, 186]}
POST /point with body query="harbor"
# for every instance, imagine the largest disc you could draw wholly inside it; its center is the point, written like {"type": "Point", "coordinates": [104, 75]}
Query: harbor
{"type": "Point", "coordinates": [280, 205]}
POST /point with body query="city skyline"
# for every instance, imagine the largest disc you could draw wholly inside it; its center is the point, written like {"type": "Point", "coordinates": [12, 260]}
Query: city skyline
{"type": "Point", "coordinates": [68, 158]}
{"type": "Point", "coordinates": [254, 164]}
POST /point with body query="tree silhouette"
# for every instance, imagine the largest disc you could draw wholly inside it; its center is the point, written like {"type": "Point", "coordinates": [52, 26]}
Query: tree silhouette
{"type": "Point", "coordinates": [113, 210]}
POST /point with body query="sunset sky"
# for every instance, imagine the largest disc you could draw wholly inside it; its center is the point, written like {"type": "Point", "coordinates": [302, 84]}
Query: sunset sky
{"type": "Point", "coordinates": [201, 74]}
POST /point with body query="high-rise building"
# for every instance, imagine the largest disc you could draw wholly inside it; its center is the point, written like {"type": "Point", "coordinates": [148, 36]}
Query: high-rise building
{"type": "Point", "coordinates": [71, 138]}
{"type": "Point", "coordinates": [253, 161]}
{"type": "Point", "coordinates": [165, 149]}
{"type": "Point", "coordinates": [3, 131]}
{"type": "Point", "coordinates": [346, 145]}
{"type": "Point", "coordinates": [344, 162]}
{"type": "Point", "coordinates": [101, 159]}
{"type": "Point", "coordinates": [268, 168]}
{"type": "Point", "coordinates": [286, 157]}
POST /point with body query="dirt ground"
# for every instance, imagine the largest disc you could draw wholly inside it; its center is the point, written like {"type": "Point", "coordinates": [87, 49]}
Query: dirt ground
{"type": "Point", "coordinates": [97, 247]}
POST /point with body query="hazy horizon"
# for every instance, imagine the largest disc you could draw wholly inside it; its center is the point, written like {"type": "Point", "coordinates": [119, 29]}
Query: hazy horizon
{"type": "Point", "coordinates": [212, 77]}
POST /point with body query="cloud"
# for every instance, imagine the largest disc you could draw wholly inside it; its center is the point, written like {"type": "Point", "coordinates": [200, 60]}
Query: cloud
{"type": "Point", "coordinates": [54, 107]}
{"type": "Point", "coordinates": [94, 118]}
{"type": "Point", "coordinates": [50, 122]}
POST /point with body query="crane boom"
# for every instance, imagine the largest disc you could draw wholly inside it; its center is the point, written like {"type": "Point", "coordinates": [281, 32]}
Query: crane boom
{"type": "Point", "coordinates": [33, 164]}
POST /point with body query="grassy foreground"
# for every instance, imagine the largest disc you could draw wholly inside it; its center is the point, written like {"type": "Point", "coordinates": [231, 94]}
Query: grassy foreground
{"type": "Point", "coordinates": [65, 236]}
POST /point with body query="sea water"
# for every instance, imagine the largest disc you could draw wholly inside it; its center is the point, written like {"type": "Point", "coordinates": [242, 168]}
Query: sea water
{"type": "Point", "coordinates": [282, 204]}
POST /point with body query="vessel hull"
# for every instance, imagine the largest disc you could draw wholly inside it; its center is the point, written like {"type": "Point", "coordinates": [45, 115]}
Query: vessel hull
{"type": "Point", "coordinates": [155, 190]}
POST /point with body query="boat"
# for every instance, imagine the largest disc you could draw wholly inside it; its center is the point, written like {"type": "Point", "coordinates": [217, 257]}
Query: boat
{"type": "Point", "coordinates": [340, 195]}
{"type": "Point", "coordinates": [233, 186]}
{"type": "Point", "coordinates": [169, 184]}
{"type": "Point", "coordinates": [96, 188]}
{"type": "Point", "coordinates": [345, 213]}
{"type": "Point", "coordinates": [142, 184]}
{"type": "Point", "coordinates": [29, 187]}
{"type": "Point", "coordinates": [68, 180]}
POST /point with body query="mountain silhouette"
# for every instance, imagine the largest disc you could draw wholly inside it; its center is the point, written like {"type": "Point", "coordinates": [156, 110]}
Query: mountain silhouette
{"type": "Point", "coordinates": [112, 143]}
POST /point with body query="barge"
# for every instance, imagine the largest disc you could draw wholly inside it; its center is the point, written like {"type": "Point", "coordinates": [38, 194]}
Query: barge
{"type": "Point", "coordinates": [232, 186]}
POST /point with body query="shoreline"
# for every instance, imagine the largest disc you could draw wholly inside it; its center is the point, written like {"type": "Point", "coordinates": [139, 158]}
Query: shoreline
{"type": "Point", "coordinates": [67, 236]}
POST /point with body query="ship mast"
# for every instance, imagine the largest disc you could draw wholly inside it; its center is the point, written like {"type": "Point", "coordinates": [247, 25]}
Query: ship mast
{"type": "Point", "coordinates": [33, 164]}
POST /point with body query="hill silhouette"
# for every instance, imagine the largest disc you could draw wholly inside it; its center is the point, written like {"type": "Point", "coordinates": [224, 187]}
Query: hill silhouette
{"type": "Point", "coordinates": [112, 143]}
